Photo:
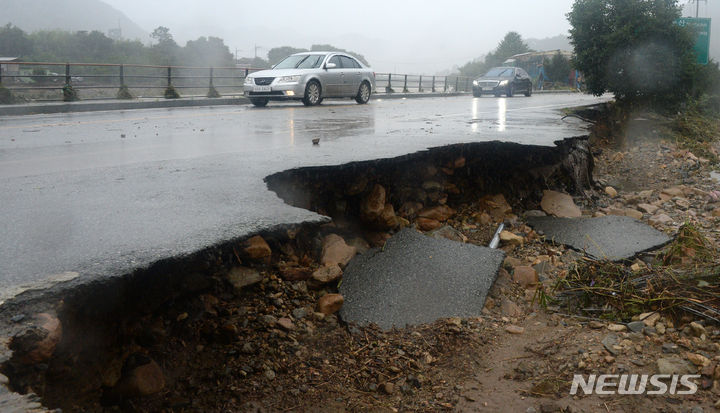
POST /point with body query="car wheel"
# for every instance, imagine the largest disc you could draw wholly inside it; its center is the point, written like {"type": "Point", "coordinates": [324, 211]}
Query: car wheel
{"type": "Point", "coordinates": [259, 102]}
{"type": "Point", "coordinates": [312, 94]}
{"type": "Point", "coordinates": [363, 95]}
{"type": "Point", "coordinates": [528, 92]}
{"type": "Point", "coordinates": [477, 93]}
{"type": "Point", "coordinates": [509, 91]}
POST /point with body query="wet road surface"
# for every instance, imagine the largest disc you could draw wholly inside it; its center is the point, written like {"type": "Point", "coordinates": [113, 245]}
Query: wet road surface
{"type": "Point", "coordinates": [104, 193]}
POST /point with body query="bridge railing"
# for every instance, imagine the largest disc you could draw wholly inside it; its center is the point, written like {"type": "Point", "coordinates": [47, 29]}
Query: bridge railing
{"type": "Point", "coordinates": [43, 81]}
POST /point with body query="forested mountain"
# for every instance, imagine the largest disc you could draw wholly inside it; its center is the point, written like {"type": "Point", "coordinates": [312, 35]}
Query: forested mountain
{"type": "Point", "coordinates": [69, 15]}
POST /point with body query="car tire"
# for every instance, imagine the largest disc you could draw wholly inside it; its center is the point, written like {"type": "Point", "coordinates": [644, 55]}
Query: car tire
{"type": "Point", "coordinates": [509, 91]}
{"type": "Point", "coordinates": [259, 102]}
{"type": "Point", "coordinates": [477, 93]}
{"type": "Point", "coordinates": [528, 92]}
{"type": "Point", "coordinates": [313, 93]}
{"type": "Point", "coordinates": [363, 94]}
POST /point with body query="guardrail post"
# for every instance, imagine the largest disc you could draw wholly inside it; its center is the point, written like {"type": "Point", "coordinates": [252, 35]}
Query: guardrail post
{"type": "Point", "coordinates": [0, 74]}
{"type": "Point", "coordinates": [388, 88]}
{"type": "Point", "coordinates": [444, 83]}
{"type": "Point", "coordinates": [467, 84]}
{"type": "Point", "coordinates": [247, 71]}
{"type": "Point", "coordinates": [122, 76]}
{"type": "Point", "coordinates": [420, 89]}
{"type": "Point", "coordinates": [405, 89]}
{"type": "Point", "coordinates": [433, 84]}
{"type": "Point", "coordinates": [457, 79]}
{"type": "Point", "coordinates": [212, 92]}
{"type": "Point", "coordinates": [170, 92]}
{"type": "Point", "coordinates": [69, 93]}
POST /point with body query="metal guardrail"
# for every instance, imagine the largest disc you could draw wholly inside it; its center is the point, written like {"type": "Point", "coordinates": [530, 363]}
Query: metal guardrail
{"type": "Point", "coordinates": [49, 81]}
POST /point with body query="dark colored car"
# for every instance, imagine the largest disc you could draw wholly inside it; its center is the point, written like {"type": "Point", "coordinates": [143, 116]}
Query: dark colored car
{"type": "Point", "coordinates": [503, 80]}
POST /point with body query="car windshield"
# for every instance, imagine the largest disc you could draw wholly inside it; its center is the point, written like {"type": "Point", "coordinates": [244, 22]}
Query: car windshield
{"type": "Point", "coordinates": [500, 72]}
{"type": "Point", "coordinates": [307, 61]}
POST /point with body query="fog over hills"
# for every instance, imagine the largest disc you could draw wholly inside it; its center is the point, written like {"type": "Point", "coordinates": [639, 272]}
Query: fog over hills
{"type": "Point", "coordinates": [72, 15]}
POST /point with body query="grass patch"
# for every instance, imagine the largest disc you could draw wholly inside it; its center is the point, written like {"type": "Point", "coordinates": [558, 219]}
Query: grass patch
{"type": "Point", "coordinates": [686, 278]}
{"type": "Point", "coordinates": [171, 93]}
{"type": "Point", "coordinates": [124, 93]}
{"type": "Point", "coordinates": [697, 128]}
{"type": "Point", "coordinates": [213, 93]}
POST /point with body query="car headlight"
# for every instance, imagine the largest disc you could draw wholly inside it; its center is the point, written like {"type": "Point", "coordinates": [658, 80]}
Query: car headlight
{"type": "Point", "coordinates": [475, 82]}
{"type": "Point", "coordinates": [503, 83]}
{"type": "Point", "coordinates": [289, 79]}
{"type": "Point", "coordinates": [249, 80]}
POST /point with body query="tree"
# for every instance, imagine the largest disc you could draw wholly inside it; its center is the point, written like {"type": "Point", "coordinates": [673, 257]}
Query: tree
{"type": "Point", "coordinates": [166, 51]}
{"type": "Point", "coordinates": [207, 51]}
{"type": "Point", "coordinates": [510, 45]}
{"type": "Point", "coordinates": [558, 68]}
{"type": "Point", "coordinates": [162, 35]}
{"type": "Point", "coordinates": [632, 48]}
{"type": "Point", "coordinates": [276, 54]}
{"type": "Point", "coordinates": [14, 42]}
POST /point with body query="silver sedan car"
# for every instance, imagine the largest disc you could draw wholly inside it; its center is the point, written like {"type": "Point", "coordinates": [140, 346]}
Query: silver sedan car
{"type": "Point", "coordinates": [311, 77]}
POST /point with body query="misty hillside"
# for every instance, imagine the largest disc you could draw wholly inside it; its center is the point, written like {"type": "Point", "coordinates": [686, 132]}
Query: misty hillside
{"type": "Point", "coordinates": [550, 43]}
{"type": "Point", "coordinates": [71, 15]}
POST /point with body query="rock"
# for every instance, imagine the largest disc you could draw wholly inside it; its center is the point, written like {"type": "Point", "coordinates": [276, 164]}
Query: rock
{"type": "Point", "coordinates": [240, 277]}
{"type": "Point", "coordinates": [336, 251]}
{"type": "Point", "coordinates": [37, 343]}
{"type": "Point", "coordinates": [698, 359]}
{"type": "Point", "coordinates": [438, 213]}
{"type": "Point", "coordinates": [142, 380]}
{"type": "Point", "coordinates": [716, 212]}
{"type": "Point", "coordinates": [609, 342]}
{"type": "Point", "coordinates": [649, 318]}
{"type": "Point", "coordinates": [373, 205]}
{"type": "Point", "coordinates": [674, 365]}
{"type": "Point", "coordinates": [559, 204]}
{"type": "Point", "coordinates": [673, 191]}
{"type": "Point", "coordinates": [483, 218]}
{"type": "Point", "coordinates": [660, 328]}
{"type": "Point", "coordinates": [633, 213]}
{"type": "Point", "coordinates": [513, 329]}
{"type": "Point", "coordinates": [596, 324]}
{"type": "Point", "coordinates": [299, 313]}
{"type": "Point", "coordinates": [361, 246]}
{"type": "Point", "coordinates": [427, 224]}
{"type": "Point", "coordinates": [387, 219]}
{"type": "Point", "coordinates": [327, 273]}
{"type": "Point", "coordinates": [330, 304]}
{"type": "Point", "coordinates": [511, 262]}
{"type": "Point", "coordinates": [256, 248]}
{"type": "Point", "coordinates": [525, 276]}
{"type": "Point", "coordinates": [294, 273]}
{"type": "Point", "coordinates": [496, 206]}
{"type": "Point", "coordinates": [270, 374]}
{"type": "Point", "coordinates": [508, 238]}
{"type": "Point", "coordinates": [509, 309]}
{"type": "Point", "coordinates": [388, 388]}
{"type": "Point", "coordinates": [636, 326]}
{"type": "Point", "coordinates": [648, 208]}
{"type": "Point", "coordinates": [697, 329]}
{"type": "Point", "coordinates": [448, 232]}
{"type": "Point", "coordinates": [616, 327]}
{"type": "Point", "coordinates": [286, 323]}
{"type": "Point", "coordinates": [660, 219]}
{"type": "Point", "coordinates": [611, 191]}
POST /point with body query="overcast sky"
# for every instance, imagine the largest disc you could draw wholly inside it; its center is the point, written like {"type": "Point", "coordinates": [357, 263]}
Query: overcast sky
{"type": "Point", "coordinates": [398, 36]}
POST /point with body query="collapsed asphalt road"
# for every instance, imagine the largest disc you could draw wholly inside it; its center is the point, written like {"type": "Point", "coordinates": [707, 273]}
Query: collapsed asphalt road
{"type": "Point", "coordinates": [102, 194]}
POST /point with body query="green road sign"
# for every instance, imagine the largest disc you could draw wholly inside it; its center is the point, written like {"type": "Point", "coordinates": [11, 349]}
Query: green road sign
{"type": "Point", "coordinates": [701, 27]}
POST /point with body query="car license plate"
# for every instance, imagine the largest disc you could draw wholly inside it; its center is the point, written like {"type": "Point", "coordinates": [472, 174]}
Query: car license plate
{"type": "Point", "coordinates": [487, 88]}
{"type": "Point", "coordinates": [261, 89]}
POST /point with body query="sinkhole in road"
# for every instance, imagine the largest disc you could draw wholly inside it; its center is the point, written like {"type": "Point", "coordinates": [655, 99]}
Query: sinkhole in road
{"type": "Point", "coordinates": [231, 324]}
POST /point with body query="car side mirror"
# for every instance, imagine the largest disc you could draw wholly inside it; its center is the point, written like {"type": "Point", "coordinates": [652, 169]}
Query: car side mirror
{"type": "Point", "coordinates": [330, 65]}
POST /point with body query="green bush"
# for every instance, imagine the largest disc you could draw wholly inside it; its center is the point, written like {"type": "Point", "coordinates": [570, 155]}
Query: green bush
{"type": "Point", "coordinates": [213, 93]}
{"type": "Point", "coordinates": [69, 93]}
{"type": "Point", "coordinates": [171, 93]}
{"type": "Point", "coordinates": [6, 97]}
{"type": "Point", "coordinates": [124, 93]}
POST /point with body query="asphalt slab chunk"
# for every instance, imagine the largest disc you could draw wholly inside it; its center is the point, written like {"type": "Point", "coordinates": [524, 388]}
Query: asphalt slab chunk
{"type": "Point", "coordinates": [613, 238]}
{"type": "Point", "coordinates": [417, 279]}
